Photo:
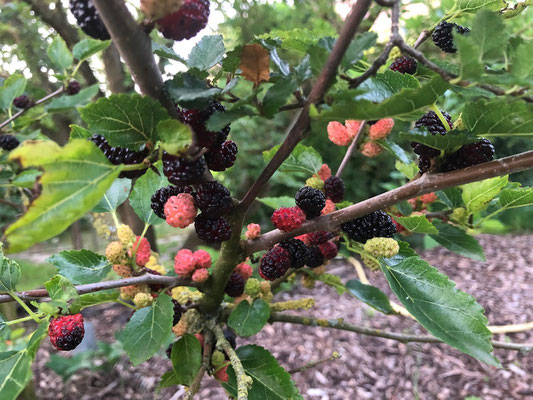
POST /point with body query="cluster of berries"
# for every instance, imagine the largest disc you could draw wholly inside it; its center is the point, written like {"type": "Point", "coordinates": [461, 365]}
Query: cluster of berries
{"type": "Point", "coordinates": [375, 224]}
{"type": "Point", "coordinates": [317, 198]}
{"type": "Point", "coordinates": [179, 206]}
{"type": "Point", "coordinates": [466, 156]}
{"type": "Point", "coordinates": [443, 35]}
{"type": "Point", "coordinates": [311, 249]}
{"type": "Point", "coordinates": [194, 265]}
{"type": "Point", "coordinates": [238, 280]}
{"type": "Point", "coordinates": [404, 65]}
{"type": "Point", "coordinates": [343, 135]}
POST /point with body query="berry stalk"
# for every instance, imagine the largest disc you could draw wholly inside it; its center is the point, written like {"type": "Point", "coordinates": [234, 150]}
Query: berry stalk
{"type": "Point", "coordinates": [442, 119]}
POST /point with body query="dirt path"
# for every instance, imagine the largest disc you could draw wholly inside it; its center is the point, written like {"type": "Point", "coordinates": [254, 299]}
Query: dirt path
{"type": "Point", "coordinates": [370, 368]}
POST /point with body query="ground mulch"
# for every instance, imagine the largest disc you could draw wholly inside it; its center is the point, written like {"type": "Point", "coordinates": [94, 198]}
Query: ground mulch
{"type": "Point", "coordinates": [370, 368]}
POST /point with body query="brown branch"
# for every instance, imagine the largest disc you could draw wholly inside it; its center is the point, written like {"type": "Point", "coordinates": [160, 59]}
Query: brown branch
{"type": "Point", "coordinates": [206, 359]}
{"type": "Point", "coordinates": [301, 125]}
{"type": "Point", "coordinates": [341, 325]}
{"type": "Point", "coordinates": [12, 204]}
{"type": "Point", "coordinates": [386, 3]}
{"type": "Point", "coordinates": [448, 76]}
{"type": "Point", "coordinates": [135, 46]}
{"type": "Point", "coordinates": [38, 102]}
{"type": "Point", "coordinates": [169, 281]}
{"type": "Point", "coordinates": [427, 183]}
{"type": "Point", "coordinates": [351, 149]}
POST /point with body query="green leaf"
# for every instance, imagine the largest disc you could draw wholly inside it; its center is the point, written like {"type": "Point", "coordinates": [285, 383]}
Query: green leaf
{"type": "Point", "coordinates": [74, 180]}
{"type": "Point", "coordinates": [396, 151]}
{"type": "Point", "coordinates": [497, 117]}
{"type": "Point", "coordinates": [401, 104]}
{"type": "Point", "coordinates": [190, 91]}
{"type": "Point", "coordinates": [370, 295]}
{"type": "Point", "coordinates": [175, 136]}
{"type": "Point", "coordinates": [409, 169]}
{"type": "Point", "coordinates": [270, 380]}
{"type": "Point", "coordinates": [78, 132]}
{"type": "Point", "coordinates": [362, 42]}
{"type": "Point", "coordinates": [277, 96]}
{"type": "Point", "coordinates": [522, 65]}
{"type": "Point", "coordinates": [14, 86]}
{"type": "Point", "coordinates": [115, 196]}
{"type": "Point", "coordinates": [383, 86]}
{"type": "Point", "coordinates": [248, 319]}
{"type": "Point", "coordinates": [452, 140]}
{"type": "Point", "coordinates": [277, 202]}
{"type": "Point", "coordinates": [81, 266]}
{"type": "Point", "coordinates": [125, 120]}
{"type": "Point", "coordinates": [88, 47]}
{"type": "Point", "coordinates": [471, 67]}
{"type": "Point", "coordinates": [27, 178]}
{"type": "Point", "coordinates": [302, 159]}
{"type": "Point", "coordinates": [186, 357]}
{"type": "Point", "coordinates": [477, 195]}
{"type": "Point", "coordinates": [147, 330]}
{"type": "Point", "coordinates": [59, 53]}
{"type": "Point", "coordinates": [15, 366]}
{"type": "Point", "coordinates": [219, 120]}
{"type": "Point", "coordinates": [142, 192]}
{"type": "Point", "coordinates": [67, 102]}
{"type": "Point", "coordinates": [458, 241]}
{"type": "Point", "coordinates": [62, 292]}
{"type": "Point", "coordinates": [9, 273]}
{"type": "Point", "coordinates": [514, 198]}
{"type": "Point", "coordinates": [448, 313]}
{"type": "Point", "coordinates": [166, 52]}
{"type": "Point", "coordinates": [475, 5]}
{"type": "Point", "coordinates": [5, 332]}
{"type": "Point", "coordinates": [168, 379]}
{"type": "Point", "coordinates": [66, 367]}
{"type": "Point", "coordinates": [93, 299]}
{"type": "Point", "coordinates": [207, 52]}
{"type": "Point", "coordinates": [452, 197]}
{"type": "Point", "coordinates": [416, 224]}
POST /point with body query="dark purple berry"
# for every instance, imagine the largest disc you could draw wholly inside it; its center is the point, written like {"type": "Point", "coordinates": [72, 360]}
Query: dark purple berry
{"type": "Point", "coordinates": [443, 38]}
{"type": "Point", "coordinates": [185, 23]}
{"type": "Point", "coordinates": [212, 198]}
{"type": "Point", "coordinates": [8, 142]}
{"type": "Point", "coordinates": [73, 88]}
{"type": "Point", "coordinates": [334, 189]}
{"type": "Point", "coordinates": [316, 258]}
{"type": "Point", "coordinates": [22, 102]}
{"type": "Point", "coordinates": [88, 19]}
{"type": "Point", "coordinates": [220, 158]}
{"type": "Point", "coordinates": [376, 224]}
{"type": "Point", "coordinates": [121, 155]}
{"type": "Point", "coordinates": [311, 201]}
{"type": "Point", "coordinates": [404, 65]}
{"type": "Point", "coordinates": [275, 263]}
{"type": "Point", "coordinates": [235, 285]}
{"type": "Point", "coordinates": [182, 171]}
{"type": "Point", "coordinates": [212, 229]}
{"type": "Point", "coordinates": [298, 251]}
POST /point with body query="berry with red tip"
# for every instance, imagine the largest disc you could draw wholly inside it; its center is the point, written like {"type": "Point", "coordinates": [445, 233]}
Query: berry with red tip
{"type": "Point", "coordinates": [329, 250]}
{"type": "Point", "coordinates": [404, 65]}
{"type": "Point", "coordinates": [180, 210]}
{"type": "Point", "coordinates": [161, 196]}
{"type": "Point", "coordinates": [212, 198]}
{"type": "Point", "coordinates": [73, 88]}
{"type": "Point", "coordinates": [324, 172]}
{"type": "Point", "coordinates": [66, 332]}
{"type": "Point", "coordinates": [288, 219]}
{"type": "Point", "coordinates": [339, 134]}
{"type": "Point", "coordinates": [381, 129]}
{"type": "Point", "coordinates": [212, 229]}
{"type": "Point", "coordinates": [200, 275]}
{"type": "Point", "coordinates": [311, 201]}
{"type": "Point", "coordinates": [334, 189]}
{"type": "Point", "coordinates": [184, 263]}
{"type": "Point", "coordinates": [181, 171]}
{"type": "Point", "coordinates": [8, 142]}
{"type": "Point", "coordinates": [469, 155]}
{"type": "Point", "coordinates": [185, 23]}
{"type": "Point", "coordinates": [222, 374]}
{"type": "Point", "coordinates": [375, 224]}
{"type": "Point", "coordinates": [275, 263]}
{"type": "Point", "coordinates": [197, 120]}
{"type": "Point", "coordinates": [245, 270]}
{"type": "Point", "coordinates": [121, 155]}
{"type": "Point", "coordinates": [316, 258]}
{"type": "Point", "coordinates": [443, 38]}
{"type": "Point", "coordinates": [298, 251]}
{"type": "Point", "coordinates": [22, 102]}
{"type": "Point", "coordinates": [371, 149]}
{"type": "Point", "coordinates": [235, 285]}
{"type": "Point", "coordinates": [253, 231]}
{"type": "Point", "coordinates": [142, 249]}
{"type": "Point", "coordinates": [222, 157]}
{"type": "Point", "coordinates": [88, 19]}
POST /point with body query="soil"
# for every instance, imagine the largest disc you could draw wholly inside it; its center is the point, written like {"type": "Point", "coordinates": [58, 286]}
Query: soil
{"type": "Point", "coordinates": [370, 368]}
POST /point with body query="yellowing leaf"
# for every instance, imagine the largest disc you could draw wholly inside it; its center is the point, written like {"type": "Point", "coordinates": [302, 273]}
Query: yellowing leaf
{"type": "Point", "coordinates": [255, 63]}
{"type": "Point", "coordinates": [74, 179]}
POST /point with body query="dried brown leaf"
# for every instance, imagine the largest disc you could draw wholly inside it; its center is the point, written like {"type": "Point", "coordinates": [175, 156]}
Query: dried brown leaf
{"type": "Point", "coordinates": [255, 63]}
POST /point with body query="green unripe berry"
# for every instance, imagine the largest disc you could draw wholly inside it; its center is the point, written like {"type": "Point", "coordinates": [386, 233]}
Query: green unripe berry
{"type": "Point", "coordinates": [382, 247]}
{"type": "Point", "coordinates": [315, 183]}
{"type": "Point", "coordinates": [252, 287]}
{"type": "Point", "coordinates": [217, 359]}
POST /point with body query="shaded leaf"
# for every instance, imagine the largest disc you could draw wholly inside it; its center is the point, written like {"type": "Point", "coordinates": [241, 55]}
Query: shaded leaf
{"type": "Point", "coordinates": [207, 52]}
{"type": "Point", "coordinates": [219, 120]}
{"type": "Point", "coordinates": [277, 202]}
{"type": "Point", "coordinates": [142, 192]}
{"type": "Point", "coordinates": [89, 47]}
{"type": "Point", "coordinates": [189, 91]}
{"type": "Point", "coordinates": [186, 357]}
{"type": "Point", "coordinates": [59, 53]}
{"type": "Point", "coordinates": [9, 273]}
{"type": "Point", "coordinates": [115, 196]}
{"type": "Point", "coordinates": [175, 136]}
{"type": "Point", "coordinates": [67, 102]}
{"type": "Point", "coordinates": [458, 241]}
{"type": "Point", "coordinates": [302, 159]}
{"type": "Point", "coordinates": [370, 295]}
{"type": "Point", "coordinates": [81, 266]}
{"type": "Point", "coordinates": [248, 319]}
{"type": "Point", "coordinates": [13, 87]}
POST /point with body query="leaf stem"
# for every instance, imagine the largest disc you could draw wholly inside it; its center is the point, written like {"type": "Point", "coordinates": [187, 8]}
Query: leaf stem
{"type": "Point", "coordinates": [17, 321]}
{"type": "Point", "coordinates": [334, 356]}
{"type": "Point", "coordinates": [25, 307]}
{"type": "Point", "coordinates": [441, 117]}
{"type": "Point", "coordinates": [121, 302]}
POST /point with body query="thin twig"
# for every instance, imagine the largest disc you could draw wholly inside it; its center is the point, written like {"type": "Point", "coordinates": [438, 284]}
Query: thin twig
{"type": "Point", "coordinates": [313, 364]}
{"type": "Point", "coordinates": [206, 359]}
{"type": "Point", "coordinates": [301, 125]}
{"type": "Point", "coordinates": [12, 204]}
{"type": "Point", "coordinates": [292, 106]}
{"type": "Point", "coordinates": [169, 281]}
{"type": "Point", "coordinates": [427, 183]}
{"type": "Point", "coordinates": [38, 102]}
{"type": "Point", "coordinates": [276, 283]}
{"type": "Point", "coordinates": [351, 149]}
{"type": "Point", "coordinates": [243, 381]}
{"type": "Point", "coordinates": [404, 338]}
